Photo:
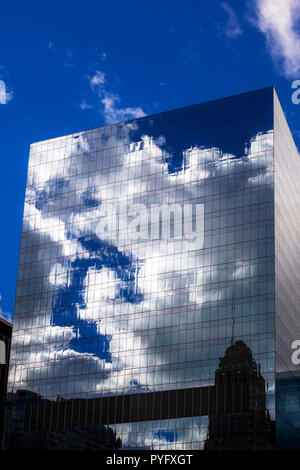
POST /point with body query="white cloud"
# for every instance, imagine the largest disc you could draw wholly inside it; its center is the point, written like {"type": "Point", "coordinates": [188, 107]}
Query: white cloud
{"type": "Point", "coordinates": [277, 20]}
{"type": "Point", "coordinates": [233, 28]}
{"type": "Point", "coordinates": [112, 112]}
{"type": "Point", "coordinates": [6, 315]}
{"type": "Point", "coordinates": [97, 80]}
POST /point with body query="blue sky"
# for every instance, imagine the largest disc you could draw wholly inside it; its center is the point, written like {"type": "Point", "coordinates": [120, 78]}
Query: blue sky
{"type": "Point", "coordinates": [69, 66]}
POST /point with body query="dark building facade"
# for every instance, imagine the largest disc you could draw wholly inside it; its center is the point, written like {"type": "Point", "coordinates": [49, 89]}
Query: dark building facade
{"type": "Point", "coordinates": [249, 426]}
{"type": "Point", "coordinates": [288, 402]}
{"type": "Point", "coordinates": [23, 429]}
{"type": "Point", "coordinates": [157, 285]}
{"type": "Point", "coordinates": [5, 339]}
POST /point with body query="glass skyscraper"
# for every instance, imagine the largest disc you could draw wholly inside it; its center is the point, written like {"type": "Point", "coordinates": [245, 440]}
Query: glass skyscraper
{"type": "Point", "coordinates": [158, 283]}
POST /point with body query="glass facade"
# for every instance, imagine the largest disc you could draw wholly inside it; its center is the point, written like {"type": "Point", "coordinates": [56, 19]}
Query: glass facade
{"type": "Point", "coordinates": [287, 269]}
{"type": "Point", "coordinates": [147, 274]}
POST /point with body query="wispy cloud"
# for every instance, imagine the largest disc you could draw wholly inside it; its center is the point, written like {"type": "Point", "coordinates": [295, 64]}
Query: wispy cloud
{"type": "Point", "coordinates": [6, 315]}
{"type": "Point", "coordinates": [277, 20]}
{"type": "Point", "coordinates": [112, 111]}
{"type": "Point", "coordinates": [233, 27]}
{"type": "Point", "coordinates": [84, 105]}
{"type": "Point", "coordinates": [97, 80]}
